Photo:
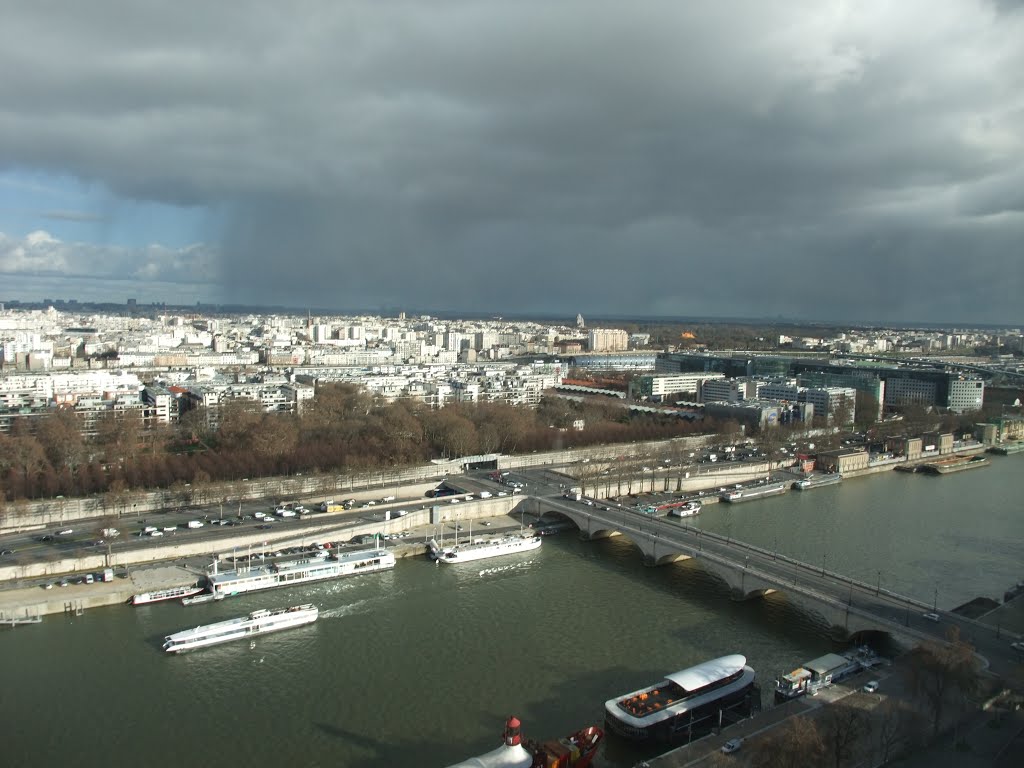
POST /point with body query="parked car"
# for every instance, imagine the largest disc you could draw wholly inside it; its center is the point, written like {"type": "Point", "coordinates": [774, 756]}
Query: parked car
{"type": "Point", "coordinates": [732, 745]}
{"type": "Point", "coordinates": [930, 616]}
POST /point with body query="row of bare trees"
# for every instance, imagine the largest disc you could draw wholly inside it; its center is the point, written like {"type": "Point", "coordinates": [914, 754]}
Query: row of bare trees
{"type": "Point", "coordinates": [342, 429]}
{"type": "Point", "coordinates": [941, 679]}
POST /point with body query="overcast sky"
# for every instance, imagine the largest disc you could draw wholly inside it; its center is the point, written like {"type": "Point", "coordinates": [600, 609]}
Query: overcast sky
{"type": "Point", "coordinates": [858, 161]}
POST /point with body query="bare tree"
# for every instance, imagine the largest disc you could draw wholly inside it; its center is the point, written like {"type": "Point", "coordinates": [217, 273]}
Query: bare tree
{"type": "Point", "coordinates": [117, 496]}
{"type": "Point", "coordinates": [843, 729]}
{"type": "Point", "coordinates": [796, 744]}
{"type": "Point", "coordinates": [898, 728]}
{"type": "Point", "coordinates": [943, 674]}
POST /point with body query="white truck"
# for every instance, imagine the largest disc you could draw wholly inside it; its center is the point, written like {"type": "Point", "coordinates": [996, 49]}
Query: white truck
{"type": "Point", "coordinates": [194, 523]}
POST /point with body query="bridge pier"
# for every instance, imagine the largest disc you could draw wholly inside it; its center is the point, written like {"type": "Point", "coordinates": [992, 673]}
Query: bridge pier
{"type": "Point", "coordinates": [851, 612]}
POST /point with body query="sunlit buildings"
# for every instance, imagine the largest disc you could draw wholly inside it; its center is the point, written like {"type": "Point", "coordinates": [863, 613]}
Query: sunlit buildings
{"type": "Point", "coordinates": [607, 340]}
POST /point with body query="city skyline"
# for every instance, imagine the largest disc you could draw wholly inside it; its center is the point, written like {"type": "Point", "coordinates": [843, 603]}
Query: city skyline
{"type": "Point", "coordinates": [813, 162]}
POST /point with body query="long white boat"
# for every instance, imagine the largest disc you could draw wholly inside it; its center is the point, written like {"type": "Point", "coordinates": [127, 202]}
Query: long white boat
{"type": "Point", "coordinates": [256, 623]}
{"type": "Point", "coordinates": [171, 593]}
{"type": "Point", "coordinates": [485, 548]}
{"type": "Point", "coordinates": [299, 572]}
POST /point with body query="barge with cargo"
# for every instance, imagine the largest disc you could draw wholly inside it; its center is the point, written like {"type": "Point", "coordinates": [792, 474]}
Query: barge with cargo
{"type": "Point", "coordinates": [953, 464]}
{"type": "Point", "coordinates": [817, 481]}
{"type": "Point", "coordinates": [749, 493]}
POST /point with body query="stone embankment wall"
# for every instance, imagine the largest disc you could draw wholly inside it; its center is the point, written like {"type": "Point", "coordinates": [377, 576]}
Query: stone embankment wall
{"type": "Point", "coordinates": [60, 512]}
{"type": "Point", "coordinates": [283, 534]}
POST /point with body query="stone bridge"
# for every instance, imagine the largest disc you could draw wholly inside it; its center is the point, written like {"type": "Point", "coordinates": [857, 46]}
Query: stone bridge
{"type": "Point", "coordinates": [851, 608]}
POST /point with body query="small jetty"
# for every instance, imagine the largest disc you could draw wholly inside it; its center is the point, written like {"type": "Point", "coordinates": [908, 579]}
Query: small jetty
{"type": "Point", "coordinates": [14, 621]}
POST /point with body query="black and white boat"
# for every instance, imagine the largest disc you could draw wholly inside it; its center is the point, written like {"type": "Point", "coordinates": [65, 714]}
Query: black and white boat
{"type": "Point", "coordinates": [685, 703]}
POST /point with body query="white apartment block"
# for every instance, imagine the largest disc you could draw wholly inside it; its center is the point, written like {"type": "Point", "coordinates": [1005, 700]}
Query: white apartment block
{"type": "Point", "coordinates": [966, 394]}
{"type": "Point", "coordinates": [724, 390]}
{"type": "Point", "coordinates": [607, 340]}
{"type": "Point", "coordinates": [825, 400]}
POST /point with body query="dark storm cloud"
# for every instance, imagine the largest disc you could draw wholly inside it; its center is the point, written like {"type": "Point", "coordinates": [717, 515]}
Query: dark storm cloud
{"type": "Point", "coordinates": [813, 159]}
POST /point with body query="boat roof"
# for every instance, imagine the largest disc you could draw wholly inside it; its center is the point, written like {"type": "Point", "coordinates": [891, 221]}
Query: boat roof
{"type": "Point", "coordinates": [362, 554]}
{"type": "Point", "coordinates": [797, 675]}
{"type": "Point", "coordinates": [306, 564]}
{"type": "Point", "coordinates": [708, 672]}
{"type": "Point", "coordinates": [826, 663]}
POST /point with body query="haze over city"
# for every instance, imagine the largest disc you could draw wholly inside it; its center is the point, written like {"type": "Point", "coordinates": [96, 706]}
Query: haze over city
{"type": "Point", "coordinates": [831, 161]}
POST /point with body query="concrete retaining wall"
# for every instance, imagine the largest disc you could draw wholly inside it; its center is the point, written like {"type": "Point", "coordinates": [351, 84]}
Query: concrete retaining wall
{"type": "Point", "coordinates": [282, 535]}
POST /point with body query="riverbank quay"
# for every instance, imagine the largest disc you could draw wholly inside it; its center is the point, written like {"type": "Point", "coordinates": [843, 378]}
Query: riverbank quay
{"type": "Point", "coordinates": [77, 597]}
{"type": "Point", "coordinates": [30, 601]}
{"type": "Point", "coordinates": [894, 729]}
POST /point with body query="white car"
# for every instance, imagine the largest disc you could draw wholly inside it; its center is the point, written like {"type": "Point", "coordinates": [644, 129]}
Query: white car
{"type": "Point", "coordinates": [930, 616]}
{"type": "Point", "coordinates": [870, 687]}
{"type": "Point", "coordinates": [732, 745]}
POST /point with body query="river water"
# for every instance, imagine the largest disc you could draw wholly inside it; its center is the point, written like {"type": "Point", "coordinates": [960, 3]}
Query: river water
{"type": "Point", "coordinates": [420, 666]}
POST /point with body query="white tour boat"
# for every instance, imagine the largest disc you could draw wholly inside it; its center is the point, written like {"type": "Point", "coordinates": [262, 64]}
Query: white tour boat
{"type": "Point", "coordinates": [253, 578]}
{"type": "Point", "coordinates": [171, 593]}
{"type": "Point", "coordinates": [256, 623]}
{"type": "Point", "coordinates": [481, 549]}
{"type": "Point", "coordinates": [686, 509]}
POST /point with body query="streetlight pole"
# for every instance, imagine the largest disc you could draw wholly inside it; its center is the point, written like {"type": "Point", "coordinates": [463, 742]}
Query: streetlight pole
{"type": "Point", "coordinates": [935, 603]}
{"type": "Point", "coordinates": [823, 556]}
{"type": "Point", "coordinates": [878, 582]}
